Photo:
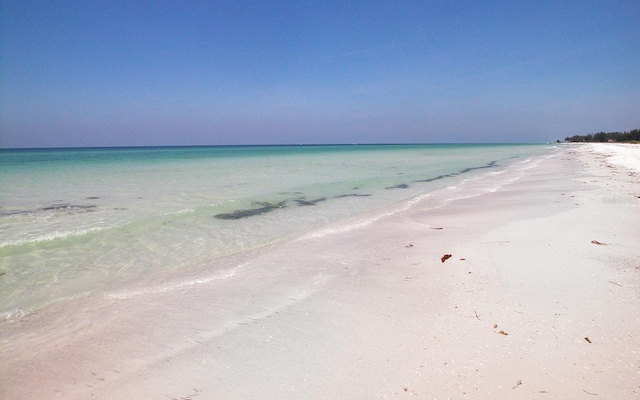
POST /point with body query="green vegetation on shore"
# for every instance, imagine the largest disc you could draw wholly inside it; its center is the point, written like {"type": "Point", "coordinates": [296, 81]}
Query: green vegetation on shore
{"type": "Point", "coordinates": [631, 136]}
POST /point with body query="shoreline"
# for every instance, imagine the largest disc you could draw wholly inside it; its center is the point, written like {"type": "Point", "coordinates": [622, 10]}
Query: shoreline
{"type": "Point", "coordinates": [373, 312]}
{"type": "Point", "coordinates": [67, 232]}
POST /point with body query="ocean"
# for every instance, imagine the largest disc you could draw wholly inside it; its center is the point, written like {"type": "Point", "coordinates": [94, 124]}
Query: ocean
{"type": "Point", "coordinates": [81, 221]}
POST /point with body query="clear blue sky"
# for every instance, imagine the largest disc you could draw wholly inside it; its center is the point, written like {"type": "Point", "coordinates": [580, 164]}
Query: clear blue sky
{"type": "Point", "coordinates": [129, 73]}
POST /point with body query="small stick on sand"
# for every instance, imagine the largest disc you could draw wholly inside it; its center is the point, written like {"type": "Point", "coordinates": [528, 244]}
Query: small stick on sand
{"type": "Point", "coordinates": [616, 283]}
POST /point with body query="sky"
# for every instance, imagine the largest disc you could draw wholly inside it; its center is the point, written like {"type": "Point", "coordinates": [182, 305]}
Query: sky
{"type": "Point", "coordinates": [157, 73]}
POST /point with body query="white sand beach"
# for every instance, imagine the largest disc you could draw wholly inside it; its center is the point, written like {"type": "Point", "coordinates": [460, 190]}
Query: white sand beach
{"type": "Point", "coordinates": [540, 299]}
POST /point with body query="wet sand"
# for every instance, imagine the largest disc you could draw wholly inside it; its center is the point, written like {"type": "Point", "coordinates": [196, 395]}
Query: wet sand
{"type": "Point", "coordinates": [539, 299]}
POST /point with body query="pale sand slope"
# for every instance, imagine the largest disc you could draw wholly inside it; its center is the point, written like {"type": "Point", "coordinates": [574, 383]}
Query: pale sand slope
{"type": "Point", "coordinates": [372, 312]}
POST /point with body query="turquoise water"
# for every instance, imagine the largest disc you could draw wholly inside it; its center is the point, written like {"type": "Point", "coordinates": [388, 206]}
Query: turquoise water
{"type": "Point", "coordinates": [74, 221]}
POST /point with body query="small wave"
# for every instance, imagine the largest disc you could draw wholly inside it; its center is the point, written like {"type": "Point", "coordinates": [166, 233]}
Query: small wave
{"type": "Point", "coordinates": [128, 294]}
{"type": "Point", "coordinates": [179, 212]}
{"type": "Point", "coordinates": [20, 312]}
{"type": "Point", "coordinates": [364, 222]}
{"type": "Point", "coordinates": [12, 314]}
{"type": "Point", "coordinates": [54, 236]}
{"type": "Point", "coordinates": [342, 229]}
{"type": "Point", "coordinates": [532, 162]}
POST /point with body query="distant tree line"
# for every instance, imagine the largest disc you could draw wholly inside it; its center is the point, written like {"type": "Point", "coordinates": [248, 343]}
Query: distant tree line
{"type": "Point", "coordinates": [631, 136]}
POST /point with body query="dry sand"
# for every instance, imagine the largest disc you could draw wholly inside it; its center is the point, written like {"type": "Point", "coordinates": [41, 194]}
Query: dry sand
{"type": "Point", "coordinates": [539, 300]}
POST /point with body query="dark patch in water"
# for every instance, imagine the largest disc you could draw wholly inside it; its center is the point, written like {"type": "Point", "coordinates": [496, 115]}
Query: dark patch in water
{"type": "Point", "coordinates": [490, 165]}
{"type": "Point", "coordinates": [353, 195]}
{"type": "Point", "coordinates": [400, 186]}
{"type": "Point", "coordinates": [69, 207]}
{"type": "Point", "coordinates": [305, 202]}
{"type": "Point", "coordinates": [10, 213]}
{"type": "Point", "coordinates": [239, 214]}
{"type": "Point", "coordinates": [462, 171]}
{"type": "Point", "coordinates": [436, 178]}
{"type": "Point", "coordinates": [92, 198]}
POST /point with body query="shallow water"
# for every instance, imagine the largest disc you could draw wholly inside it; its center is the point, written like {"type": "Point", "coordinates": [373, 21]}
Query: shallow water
{"type": "Point", "coordinates": [74, 221]}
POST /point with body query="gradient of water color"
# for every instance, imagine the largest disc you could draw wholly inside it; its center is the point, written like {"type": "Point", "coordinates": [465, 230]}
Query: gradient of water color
{"type": "Point", "coordinates": [74, 221]}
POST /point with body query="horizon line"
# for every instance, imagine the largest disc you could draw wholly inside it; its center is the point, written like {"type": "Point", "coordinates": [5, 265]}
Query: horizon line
{"type": "Point", "coordinates": [124, 147]}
